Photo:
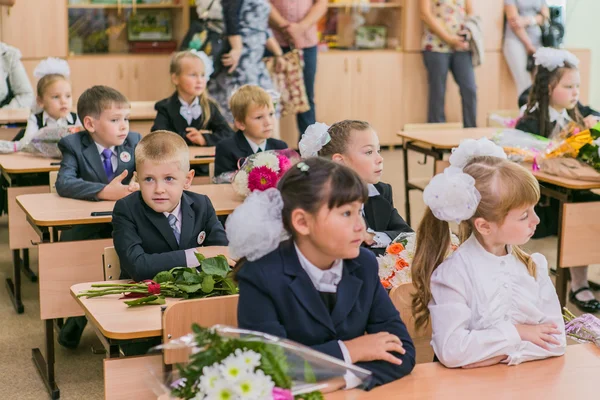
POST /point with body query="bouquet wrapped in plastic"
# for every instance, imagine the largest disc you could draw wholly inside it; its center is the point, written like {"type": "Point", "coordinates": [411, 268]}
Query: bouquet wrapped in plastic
{"type": "Point", "coordinates": [395, 265]}
{"type": "Point", "coordinates": [583, 329]}
{"type": "Point", "coordinates": [223, 362]}
{"type": "Point", "coordinates": [521, 146]}
{"type": "Point", "coordinates": [263, 170]}
{"type": "Point", "coordinates": [44, 143]}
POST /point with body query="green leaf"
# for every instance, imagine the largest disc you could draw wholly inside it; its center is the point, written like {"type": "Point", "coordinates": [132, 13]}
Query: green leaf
{"type": "Point", "coordinates": [148, 300]}
{"type": "Point", "coordinates": [190, 288]}
{"type": "Point", "coordinates": [230, 285]}
{"type": "Point", "coordinates": [309, 374]}
{"type": "Point", "coordinates": [208, 284]}
{"type": "Point", "coordinates": [164, 276]}
{"type": "Point", "coordinates": [191, 278]}
{"type": "Point", "coordinates": [216, 266]}
{"type": "Point", "coordinates": [274, 363]}
{"type": "Point", "coordinates": [200, 257]}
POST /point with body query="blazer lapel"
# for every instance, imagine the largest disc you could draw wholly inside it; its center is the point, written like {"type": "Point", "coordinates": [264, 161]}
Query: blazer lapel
{"type": "Point", "coordinates": [90, 152]}
{"type": "Point", "coordinates": [174, 109]}
{"type": "Point", "coordinates": [347, 292]}
{"type": "Point", "coordinates": [125, 152]}
{"type": "Point", "coordinates": [161, 223]}
{"type": "Point", "coordinates": [303, 288]}
{"type": "Point", "coordinates": [188, 221]}
{"type": "Point", "coordinates": [371, 213]}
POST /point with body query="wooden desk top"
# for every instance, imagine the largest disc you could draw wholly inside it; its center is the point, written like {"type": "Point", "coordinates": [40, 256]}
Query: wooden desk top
{"type": "Point", "coordinates": [566, 182]}
{"type": "Point", "coordinates": [447, 139]}
{"type": "Point", "coordinates": [115, 320]}
{"type": "Point", "coordinates": [49, 209]}
{"type": "Point", "coordinates": [140, 110]}
{"type": "Point", "coordinates": [206, 155]}
{"type": "Point", "coordinates": [572, 376]}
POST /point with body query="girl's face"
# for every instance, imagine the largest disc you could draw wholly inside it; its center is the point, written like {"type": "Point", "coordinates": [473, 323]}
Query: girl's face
{"type": "Point", "coordinates": [363, 155]}
{"type": "Point", "coordinates": [516, 230]}
{"type": "Point", "coordinates": [331, 234]}
{"type": "Point", "coordinates": [565, 94]}
{"type": "Point", "coordinates": [57, 100]}
{"type": "Point", "coordinates": [191, 80]}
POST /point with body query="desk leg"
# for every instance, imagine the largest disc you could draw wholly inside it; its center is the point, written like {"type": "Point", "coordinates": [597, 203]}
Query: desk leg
{"type": "Point", "coordinates": [14, 288]}
{"type": "Point", "coordinates": [562, 273]}
{"type": "Point", "coordinates": [406, 186]}
{"type": "Point", "coordinates": [28, 272]}
{"type": "Point", "coordinates": [45, 366]}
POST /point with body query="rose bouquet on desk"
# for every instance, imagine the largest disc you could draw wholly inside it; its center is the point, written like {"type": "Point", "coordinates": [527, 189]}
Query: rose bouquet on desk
{"type": "Point", "coordinates": [212, 278]}
{"type": "Point", "coordinates": [223, 362]}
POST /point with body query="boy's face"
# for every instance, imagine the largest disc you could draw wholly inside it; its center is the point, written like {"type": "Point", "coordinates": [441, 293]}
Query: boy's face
{"type": "Point", "coordinates": [259, 122]}
{"type": "Point", "coordinates": [57, 100]}
{"type": "Point", "coordinates": [363, 155]}
{"type": "Point", "coordinates": [111, 127]}
{"type": "Point", "coordinates": [162, 184]}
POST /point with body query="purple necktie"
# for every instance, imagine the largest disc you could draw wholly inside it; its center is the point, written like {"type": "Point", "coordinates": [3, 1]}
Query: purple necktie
{"type": "Point", "coordinates": [108, 168]}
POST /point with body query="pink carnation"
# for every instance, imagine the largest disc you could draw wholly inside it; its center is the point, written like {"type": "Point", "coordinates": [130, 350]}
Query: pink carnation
{"type": "Point", "coordinates": [261, 178]}
{"type": "Point", "coordinates": [284, 164]}
{"type": "Point", "coordinates": [282, 394]}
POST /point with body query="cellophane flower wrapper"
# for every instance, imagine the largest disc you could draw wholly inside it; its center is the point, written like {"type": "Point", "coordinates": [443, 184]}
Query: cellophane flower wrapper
{"type": "Point", "coordinates": [521, 146]}
{"type": "Point", "coordinates": [259, 365]}
{"type": "Point", "coordinates": [583, 329]}
{"type": "Point", "coordinates": [45, 143]}
{"type": "Point", "coordinates": [262, 171]}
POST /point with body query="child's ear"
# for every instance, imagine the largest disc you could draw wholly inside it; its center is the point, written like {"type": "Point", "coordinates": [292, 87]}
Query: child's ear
{"type": "Point", "coordinates": [300, 222]}
{"type": "Point", "coordinates": [482, 226]}
{"type": "Point", "coordinates": [338, 158]}
{"type": "Point", "coordinates": [89, 123]}
{"type": "Point", "coordinates": [40, 102]}
{"type": "Point", "coordinates": [240, 126]}
{"type": "Point", "coordinates": [189, 177]}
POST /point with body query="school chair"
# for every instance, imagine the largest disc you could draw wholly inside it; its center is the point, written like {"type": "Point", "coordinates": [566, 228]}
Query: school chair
{"type": "Point", "coordinates": [401, 297]}
{"type": "Point", "coordinates": [111, 263]}
{"type": "Point", "coordinates": [503, 114]}
{"type": "Point", "coordinates": [432, 126]}
{"type": "Point", "coordinates": [53, 178]}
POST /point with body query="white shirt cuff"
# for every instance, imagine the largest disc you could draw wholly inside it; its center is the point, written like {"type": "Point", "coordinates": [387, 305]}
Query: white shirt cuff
{"type": "Point", "coordinates": [190, 258]}
{"type": "Point", "coordinates": [352, 380]}
{"type": "Point", "coordinates": [381, 239]}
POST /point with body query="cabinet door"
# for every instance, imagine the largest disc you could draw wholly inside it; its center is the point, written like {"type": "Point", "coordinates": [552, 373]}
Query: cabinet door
{"type": "Point", "coordinates": [150, 78]}
{"type": "Point", "coordinates": [87, 71]}
{"type": "Point", "coordinates": [29, 22]}
{"type": "Point", "coordinates": [377, 92]}
{"type": "Point", "coordinates": [332, 86]}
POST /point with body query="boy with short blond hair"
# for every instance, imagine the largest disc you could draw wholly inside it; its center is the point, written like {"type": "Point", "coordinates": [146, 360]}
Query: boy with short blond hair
{"type": "Point", "coordinates": [254, 117]}
{"type": "Point", "coordinates": [162, 226]}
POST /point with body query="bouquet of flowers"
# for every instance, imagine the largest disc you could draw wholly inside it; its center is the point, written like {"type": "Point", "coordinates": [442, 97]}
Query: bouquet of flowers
{"type": "Point", "coordinates": [44, 143]}
{"type": "Point", "coordinates": [230, 363]}
{"type": "Point", "coordinates": [395, 265]}
{"type": "Point", "coordinates": [212, 278]}
{"type": "Point", "coordinates": [263, 170]}
{"type": "Point", "coordinates": [583, 329]}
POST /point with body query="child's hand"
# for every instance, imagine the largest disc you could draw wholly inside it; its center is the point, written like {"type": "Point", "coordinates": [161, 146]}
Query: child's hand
{"type": "Point", "coordinates": [540, 335]}
{"type": "Point", "coordinates": [115, 190]}
{"type": "Point", "coordinates": [486, 363]}
{"type": "Point", "coordinates": [368, 238]}
{"type": "Point", "coordinates": [133, 186]}
{"type": "Point", "coordinates": [591, 121]}
{"type": "Point", "coordinates": [376, 346]}
{"type": "Point", "coordinates": [195, 136]}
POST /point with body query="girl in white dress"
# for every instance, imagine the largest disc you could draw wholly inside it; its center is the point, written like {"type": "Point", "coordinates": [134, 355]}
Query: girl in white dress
{"type": "Point", "coordinates": [489, 302]}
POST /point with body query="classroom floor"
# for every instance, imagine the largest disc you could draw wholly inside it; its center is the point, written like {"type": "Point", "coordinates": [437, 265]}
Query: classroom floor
{"type": "Point", "coordinates": [79, 372]}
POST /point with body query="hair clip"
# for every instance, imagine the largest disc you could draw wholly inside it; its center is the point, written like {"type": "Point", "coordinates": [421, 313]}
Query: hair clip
{"type": "Point", "coordinates": [303, 167]}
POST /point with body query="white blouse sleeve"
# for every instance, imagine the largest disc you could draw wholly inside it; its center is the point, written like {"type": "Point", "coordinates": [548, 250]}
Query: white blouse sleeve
{"type": "Point", "coordinates": [31, 130]}
{"type": "Point", "coordinates": [550, 307]}
{"type": "Point", "coordinates": [453, 341]}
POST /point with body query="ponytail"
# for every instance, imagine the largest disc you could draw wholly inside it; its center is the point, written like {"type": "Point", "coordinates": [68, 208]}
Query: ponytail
{"type": "Point", "coordinates": [433, 241]}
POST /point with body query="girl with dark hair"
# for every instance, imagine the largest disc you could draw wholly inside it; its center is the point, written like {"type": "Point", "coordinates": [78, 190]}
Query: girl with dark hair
{"type": "Point", "coordinates": [553, 103]}
{"type": "Point", "coordinates": [319, 287]}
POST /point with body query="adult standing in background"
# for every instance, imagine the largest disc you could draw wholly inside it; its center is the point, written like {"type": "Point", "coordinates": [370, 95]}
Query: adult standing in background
{"type": "Point", "coordinates": [523, 36]}
{"type": "Point", "coordinates": [15, 89]}
{"type": "Point", "coordinates": [295, 27]}
{"type": "Point", "coordinates": [446, 48]}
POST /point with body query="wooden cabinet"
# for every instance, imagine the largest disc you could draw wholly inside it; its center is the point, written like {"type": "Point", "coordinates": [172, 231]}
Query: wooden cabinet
{"type": "Point", "coordinates": [37, 28]}
{"type": "Point", "coordinates": [149, 78]}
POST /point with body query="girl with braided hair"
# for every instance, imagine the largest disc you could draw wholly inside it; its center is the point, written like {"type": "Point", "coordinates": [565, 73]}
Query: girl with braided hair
{"type": "Point", "coordinates": [552, 105]}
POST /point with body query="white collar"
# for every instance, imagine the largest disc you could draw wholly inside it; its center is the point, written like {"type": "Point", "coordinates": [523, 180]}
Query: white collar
{"type": "Point", "coordinates": [372, 190]}
{"type": "Point", "coordinates": [255, 146]}
{"type": "Point", "coordinates": [472, 244]}
{"type": "Point", "coordinates": [316, 274]}
{"type": "Point", "coordinates": [101, 149]}
{"type": "Point", "coordinates": [195, 102]}
{"type": "Point", "coordinates": [556, 116]}
{"type": "Point", "coordinates": [46, 117]}
{"type": "Point", "coordinates": [176, 212]}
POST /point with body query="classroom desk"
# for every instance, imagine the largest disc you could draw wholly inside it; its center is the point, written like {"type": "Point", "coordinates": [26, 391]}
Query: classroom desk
{"type": "Point", "coordinates": [49, 213]}
{"type": "Point", "coordinates": [437, 143]}
{"type": "Point", "coordinates": [14, 116]}
{"type": "Point", "coordinates": [572, 376]}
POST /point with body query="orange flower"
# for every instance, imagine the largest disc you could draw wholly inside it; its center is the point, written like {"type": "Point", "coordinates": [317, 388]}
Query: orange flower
{"type": "Point", "coordinates": [401, 263]}
{"type": "Point", "coordinates": [395, 248]}
{"type": "Point", "coordinates": [386, 284]}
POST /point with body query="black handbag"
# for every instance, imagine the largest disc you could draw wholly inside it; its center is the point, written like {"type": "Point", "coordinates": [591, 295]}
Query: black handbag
{"type": "Point", "coordinates": [552, 34]}
{"type": "Point", "coordinates": [207, 35]}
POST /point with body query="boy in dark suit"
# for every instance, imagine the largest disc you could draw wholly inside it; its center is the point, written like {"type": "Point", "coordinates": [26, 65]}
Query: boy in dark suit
{"type": "Point", "coordinates": [254, 115]}
{"type": "Point", "coordinates": [97, 164]}
{"type": "Point", "coordinates": [162, 226]}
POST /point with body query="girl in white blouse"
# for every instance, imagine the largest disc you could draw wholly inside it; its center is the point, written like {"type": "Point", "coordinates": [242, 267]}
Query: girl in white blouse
{"type": "Point", "coordinates": [489, 302]}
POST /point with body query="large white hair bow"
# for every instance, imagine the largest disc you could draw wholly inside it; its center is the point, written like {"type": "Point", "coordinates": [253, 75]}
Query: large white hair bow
{"type": "Point", "coordinates": [551, 58]}
{"type": "Point", "coordinates": [315, 137]}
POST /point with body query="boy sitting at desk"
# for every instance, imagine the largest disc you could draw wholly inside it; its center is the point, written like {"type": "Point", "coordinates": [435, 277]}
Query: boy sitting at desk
{"type": "Point", "coordinates": [162, 225]}
{"type": "Point", "coordinates": [97, 164]}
